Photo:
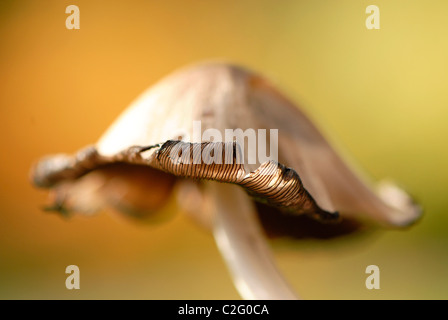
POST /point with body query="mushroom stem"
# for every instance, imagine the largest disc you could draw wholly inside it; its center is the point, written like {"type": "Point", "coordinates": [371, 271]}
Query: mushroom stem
{"type": "Point", "coordinates": [240, 239]}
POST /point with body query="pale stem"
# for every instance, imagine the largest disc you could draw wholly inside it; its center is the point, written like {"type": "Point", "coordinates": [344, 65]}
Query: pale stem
{"type": "Point", "coordinates": [243, 245]}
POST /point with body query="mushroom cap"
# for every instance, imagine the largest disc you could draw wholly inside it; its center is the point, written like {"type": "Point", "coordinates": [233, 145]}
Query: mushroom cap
{"type": "Point", "coordinates": [224, 96]}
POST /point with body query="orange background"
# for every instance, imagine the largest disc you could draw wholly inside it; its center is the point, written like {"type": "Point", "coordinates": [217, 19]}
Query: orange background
{"type": "Point", "coordinates": [381, 95]}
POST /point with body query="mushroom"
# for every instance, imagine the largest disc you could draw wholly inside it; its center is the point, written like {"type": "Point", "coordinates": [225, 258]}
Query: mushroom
{"type": "Point", "coordinates": [151, 152]}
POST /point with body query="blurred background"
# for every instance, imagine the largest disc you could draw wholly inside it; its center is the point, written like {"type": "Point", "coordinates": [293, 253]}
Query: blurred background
{"type": "Point", "coordinates": [380, 95]}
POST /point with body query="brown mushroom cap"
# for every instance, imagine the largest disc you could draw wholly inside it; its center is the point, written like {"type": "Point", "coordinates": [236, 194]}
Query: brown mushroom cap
{"type": "Point", "coordinates": [309, 177]}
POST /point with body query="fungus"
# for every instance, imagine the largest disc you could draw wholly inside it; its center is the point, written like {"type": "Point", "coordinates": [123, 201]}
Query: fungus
{"type": "Point", "coordinates": [151, 151]}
